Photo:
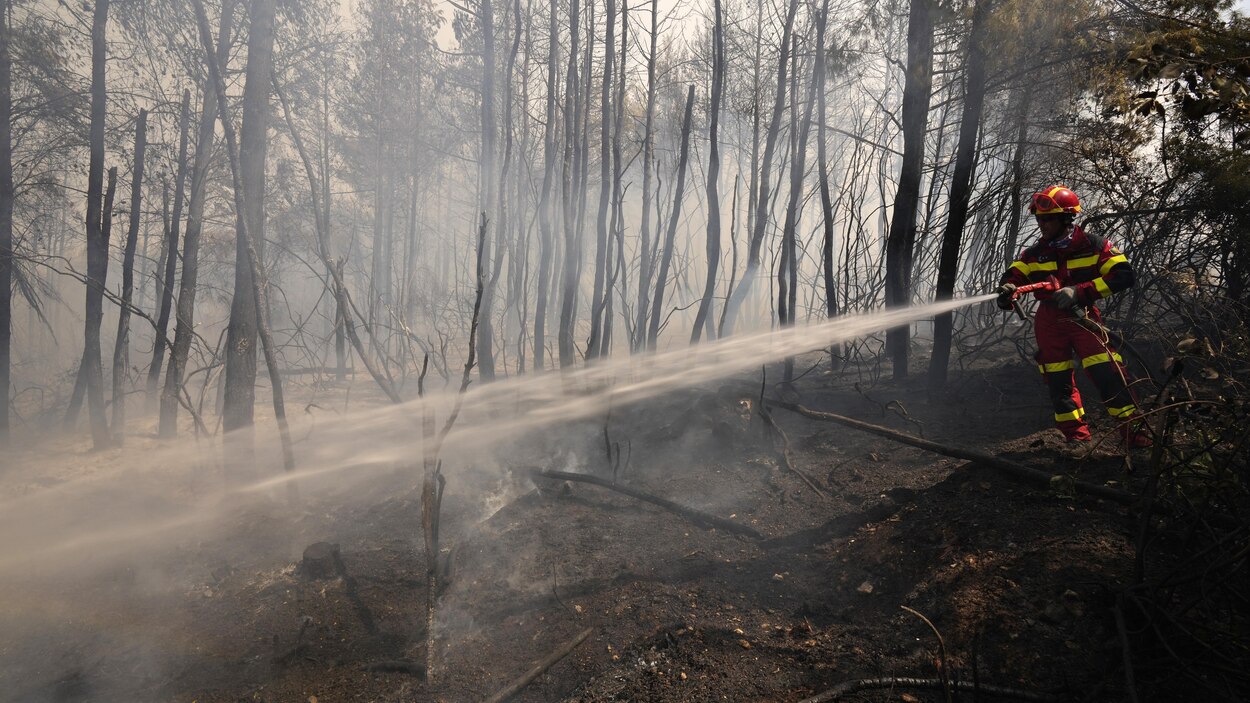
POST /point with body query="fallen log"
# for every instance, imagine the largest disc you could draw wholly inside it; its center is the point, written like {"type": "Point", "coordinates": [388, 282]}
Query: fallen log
{"type": "Point", "coordinates": [785, 451]}
{"type": "Point", "coordinates": [525, 679]}
{"type": "Point", "coordinates": [698, 517]}
{"type": "Point", "coordinates": [1019, 470]}
{"type": "Point", "coordinates": [849, 687]}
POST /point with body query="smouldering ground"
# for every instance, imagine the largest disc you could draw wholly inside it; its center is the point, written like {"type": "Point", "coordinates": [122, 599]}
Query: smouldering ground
{"type": "Point", "coordinates": [1010, 575]}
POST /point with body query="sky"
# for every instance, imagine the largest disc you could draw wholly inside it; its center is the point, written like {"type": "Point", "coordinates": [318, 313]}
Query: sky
{"type": "Point", "coordinates": [446, 38]}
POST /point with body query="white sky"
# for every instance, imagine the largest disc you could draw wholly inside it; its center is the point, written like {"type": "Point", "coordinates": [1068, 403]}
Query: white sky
{"type": "Point", "coordinates": [446, 38]}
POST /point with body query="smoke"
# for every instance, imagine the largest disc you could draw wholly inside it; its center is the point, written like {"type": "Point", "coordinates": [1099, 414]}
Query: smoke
{"type": "Point", "coordinates": [149, 523]}
{"type": "Point", "coordinates": [137, 502]}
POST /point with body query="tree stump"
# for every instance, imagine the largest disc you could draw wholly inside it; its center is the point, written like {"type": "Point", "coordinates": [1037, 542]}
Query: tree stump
{"type": "Point", "coordinates": [321, 561]}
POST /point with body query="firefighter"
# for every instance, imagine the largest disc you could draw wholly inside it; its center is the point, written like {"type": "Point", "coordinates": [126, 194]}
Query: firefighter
{"type": "Point", "coordinates": [1088, 268]}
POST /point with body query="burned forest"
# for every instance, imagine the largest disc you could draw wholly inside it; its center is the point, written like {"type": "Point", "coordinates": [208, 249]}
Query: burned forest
{"type": "Point", "coordinates": [624, 350]}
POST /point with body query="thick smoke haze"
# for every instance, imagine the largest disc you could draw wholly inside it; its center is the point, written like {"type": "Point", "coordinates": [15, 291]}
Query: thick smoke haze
{"type": "Point", "coordinates": [277, 272]}
{"type": "Point", "coordinates": [123, 529]}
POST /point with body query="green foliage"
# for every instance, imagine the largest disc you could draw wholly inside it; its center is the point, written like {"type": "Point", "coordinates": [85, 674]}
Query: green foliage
{"type": "Point", "coordinates": [1224, 176]}
{"type": "Point", "coordinates": [1192, 69]}
{"type": "Point", "coordinates": [1027, 36]}
{"type": "Point", "coordinates": [1168, 132]}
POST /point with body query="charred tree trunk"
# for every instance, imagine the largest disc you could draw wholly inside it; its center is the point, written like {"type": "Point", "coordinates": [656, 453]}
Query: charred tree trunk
{"type": "Point", "coordinates": [723, 327]}
{"type": "Point", "coordinates": [262, 10]}
{"type": "Point", "coordinates": [433, 483]}
{"type": "Point", "coordinates": [617, 269]}
{"type": "Point", "coordinates": [706, 312]}
{"type": "Point", "coordinates": [572, 236]}
{"type": "Point", "coordinates": [598, 296]}
{"type": "Point", "coordinates": [760, 222]}
{"type": "Point", "coordinates": [583, 144]}
{"type": "Point", "coordinates": [785, 279]}
{"type": "Point", "coordinates": [91, 373]}
{"type": "Point", "coordinates": [90, 383]}
{"type": "Point", "coordinates": [171, 256]}
{"type": "Point", "coordinates": [666, 256]}
{"type": "Point", "coordinates": [901, 241]}
{"type": "Point", "coordinates": [789, 233]}
{"type": "Point", "coordinates": [546, 236]}
{"type": "Point", "coordinates": [238, 410]}
{"type": "Point", "coordinates": [380, 265]}
{"type": "Point", "coordinates": [486, 331]}
{"type": "Point", "coordinates": [340, 316]}
{"type": "Point", "coordinates": [961, 192]}
{"type": "Point", "coordinates": [826, 196]}
{"type": "Point", "coordinates": [648, 164]}
{"type": "Point", "coordinates": [158, 270]}
{"type": "Point", "coordinates": [6, 218]}
{"type": "Point", "coordinates": [184, 329]}
{"type": "Point", "coordinates": [121, 348]}
{"type": "Point", "coordinates": [407, 302]}
{"type": "Point", "coordinates": [507, 235]}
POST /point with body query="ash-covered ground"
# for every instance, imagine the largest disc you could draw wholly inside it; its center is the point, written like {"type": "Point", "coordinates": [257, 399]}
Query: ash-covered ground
{"type": "Point", "coordinates": [1013, 576]}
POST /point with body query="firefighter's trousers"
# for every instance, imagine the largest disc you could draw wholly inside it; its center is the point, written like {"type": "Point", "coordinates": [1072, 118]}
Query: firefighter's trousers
{"type": "Point", "coordinates": [1059, 336]}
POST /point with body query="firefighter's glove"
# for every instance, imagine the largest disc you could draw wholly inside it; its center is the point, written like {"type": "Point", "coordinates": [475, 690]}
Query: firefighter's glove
{"type": "Point", "coordinates": [1064, 298]}
{"type": "Point", "coordinates": [1006, 292]}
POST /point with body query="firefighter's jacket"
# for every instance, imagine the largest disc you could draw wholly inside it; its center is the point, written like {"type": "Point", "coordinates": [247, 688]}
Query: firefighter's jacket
{"type": "Point", "coordinates": [1084, 261]}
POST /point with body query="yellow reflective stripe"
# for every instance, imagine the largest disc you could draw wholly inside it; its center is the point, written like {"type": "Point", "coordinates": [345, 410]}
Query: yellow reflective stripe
{"type": "Point", "coordinates": [1100, 359]}
{"type": "Point", "coordinates": [1083, 261]}
{"type": "Point", "coordinates": [1057, 366]}
{"type": "Point", "coordinates": [1021, 267]}
{"type": "Point", "coordinates": [1044, 266]}
{"type": "Point", "coordinates": [1126, 411]}
{"type": "Point", "coordinates": [1103, 289]}
{"type": "Point", "coordinates": [1106, 266]}
{"type": "Point", "coordinates": [1067, 417]}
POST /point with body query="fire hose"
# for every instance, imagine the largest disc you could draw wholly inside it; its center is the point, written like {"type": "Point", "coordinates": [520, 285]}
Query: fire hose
{"type": "Point", "coordinates": [1081, 317]}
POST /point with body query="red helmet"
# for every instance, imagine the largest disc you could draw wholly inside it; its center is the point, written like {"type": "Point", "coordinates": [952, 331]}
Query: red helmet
{"type": "Point", "coordinates": [1055, 200]}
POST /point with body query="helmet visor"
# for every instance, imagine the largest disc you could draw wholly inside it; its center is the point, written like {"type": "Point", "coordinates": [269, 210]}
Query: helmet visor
{"type": "Point", "coordinates": [1043, 203]}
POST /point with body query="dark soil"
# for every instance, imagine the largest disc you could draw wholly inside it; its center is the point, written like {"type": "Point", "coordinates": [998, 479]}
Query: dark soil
{"type": "Point", "coordinates": [1016, 578]}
